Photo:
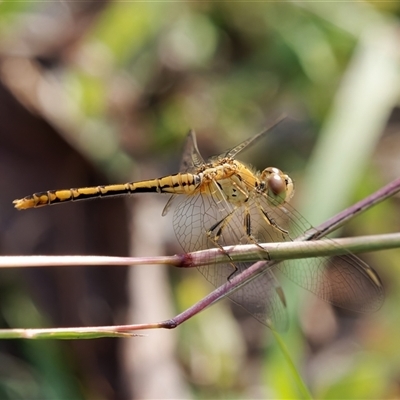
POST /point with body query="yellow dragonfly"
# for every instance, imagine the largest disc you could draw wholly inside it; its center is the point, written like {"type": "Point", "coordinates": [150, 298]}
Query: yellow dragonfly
{"type": "Point", "coordinates": [224, 202]}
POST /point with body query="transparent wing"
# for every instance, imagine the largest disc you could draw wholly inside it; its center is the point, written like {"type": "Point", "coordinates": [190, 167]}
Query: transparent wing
{"type": "Point", "coordinates": [344, 281]}
{"type": "Point", "coordinates": [193, 218]}
{"type": "Point", "coordinates": [190, 161]}
{"type": "Point", "coordinates": [191, 157]}
{"type": "Point", "coordinates": [240, 147]}
{"type": "Point", "coordinates": [263, 298]}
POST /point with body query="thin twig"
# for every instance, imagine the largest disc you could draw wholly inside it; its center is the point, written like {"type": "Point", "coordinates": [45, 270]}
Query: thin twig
{"type": "Point", "coordinates": [238, 253]}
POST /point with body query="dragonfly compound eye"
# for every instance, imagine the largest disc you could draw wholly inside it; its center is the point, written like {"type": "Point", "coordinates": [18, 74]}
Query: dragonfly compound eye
{"type": "Point", "coordinates": [278, 186]}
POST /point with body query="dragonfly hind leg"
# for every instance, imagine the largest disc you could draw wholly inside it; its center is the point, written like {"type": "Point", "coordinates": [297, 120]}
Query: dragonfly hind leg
{"type": "Point", "coordinates": [250, 236]}
{"type": "Point", "coordinates": [222, 224]}
{"type": "Point", "coordinates": [215, 237]}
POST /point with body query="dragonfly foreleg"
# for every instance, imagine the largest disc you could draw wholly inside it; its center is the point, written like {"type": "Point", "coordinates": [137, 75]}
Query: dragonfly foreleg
{"type": "Point", "coordinates": [272, 223]}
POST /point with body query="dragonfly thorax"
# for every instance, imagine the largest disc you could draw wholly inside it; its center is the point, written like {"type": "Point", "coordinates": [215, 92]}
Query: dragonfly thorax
{"type": "Point", "coordinates": [230, 178]}
{"type": "Point", "coordinates": [234, 190]}
{"type": "Point", "coordinates": [222, 169]}
{"type": "Point", "coordinates": [277, 185]}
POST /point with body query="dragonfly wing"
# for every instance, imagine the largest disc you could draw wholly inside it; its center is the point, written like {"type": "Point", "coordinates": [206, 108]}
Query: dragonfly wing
{"type": "Point", "coordinates": [263, 298]}
{"type": "Point", "coordinates": [191, 157]}
{"type": "Point", "coordinates": [193, 220]}
{"type": "Point", "coordinates": [191, 160]}
{"type": "Point", "coordinates": [344, 281]}
{"type": "Point", "coordinates": [240, 147]}
{"type": "Point", "coordinates": [193, 216]}
{"type": "Point", "coordinates": [167, 207]}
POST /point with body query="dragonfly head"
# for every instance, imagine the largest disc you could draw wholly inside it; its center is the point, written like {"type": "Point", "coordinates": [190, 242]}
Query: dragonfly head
{"type": "Point", "coordinates": [277, 185]}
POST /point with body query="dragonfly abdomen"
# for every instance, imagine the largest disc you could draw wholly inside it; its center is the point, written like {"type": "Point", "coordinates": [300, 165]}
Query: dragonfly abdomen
{"type": "Point", "coordinates": [179, 183]}
{"type": "Point", "coordinates": [173, 184]}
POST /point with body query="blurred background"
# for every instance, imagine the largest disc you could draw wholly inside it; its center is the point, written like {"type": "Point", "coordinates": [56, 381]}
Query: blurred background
{"type": "Point", "coordinates": [97, 92]}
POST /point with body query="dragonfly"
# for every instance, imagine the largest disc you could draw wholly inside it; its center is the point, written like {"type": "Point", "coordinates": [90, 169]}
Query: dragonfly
{"type": "Point", "coordinates": [224, 202]}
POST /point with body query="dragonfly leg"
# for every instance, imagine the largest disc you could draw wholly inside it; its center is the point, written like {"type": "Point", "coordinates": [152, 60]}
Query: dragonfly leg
{"type": "Point", "coordinates": [247, 225]}
{"type": "Point", "coordinates": [252, 239]}
{"type": "Point", "coordinates": [214, 238]}
{"type": "Point", "coordinates": [272, 222]}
